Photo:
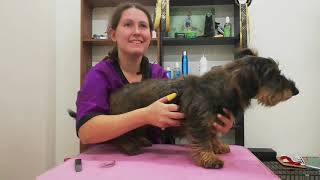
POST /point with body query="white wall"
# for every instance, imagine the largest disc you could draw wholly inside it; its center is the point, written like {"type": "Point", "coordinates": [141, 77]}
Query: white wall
{"type": "Point", "coordinates": [67, 76]}
{"type": "Point", "coordinates": [288, 31]}
{"type": "Point", "coordinates": [27, 98]}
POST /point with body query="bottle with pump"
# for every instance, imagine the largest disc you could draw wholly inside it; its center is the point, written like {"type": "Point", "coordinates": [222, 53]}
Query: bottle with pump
{"type": "Point", "coordinates": [203, 65]}
{"type": "Point", "coordinates": [227, 28]}
{"type": "Point", "coordinates": [184, 64]}
{"type": "Point", "coordinates": [176, 71]}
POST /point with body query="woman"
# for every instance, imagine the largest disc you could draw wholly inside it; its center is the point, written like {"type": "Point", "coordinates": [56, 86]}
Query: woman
{"type": "Point", "coordinates": [130, 29]}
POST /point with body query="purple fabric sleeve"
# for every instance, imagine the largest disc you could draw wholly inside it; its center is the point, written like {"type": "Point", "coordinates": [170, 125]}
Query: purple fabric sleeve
{"type": "Point", "coordinates": [92, 96]}
{"type": "Point", "coordinates": [158, 72]}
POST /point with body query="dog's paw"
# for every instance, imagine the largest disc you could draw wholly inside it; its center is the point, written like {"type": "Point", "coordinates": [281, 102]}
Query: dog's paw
{"type": "Point", "coordinates": [222, 149]}
{"type": "Point", "coordinates": [212, 163]}
{"type": "Point", "coordinates": [208, 160]}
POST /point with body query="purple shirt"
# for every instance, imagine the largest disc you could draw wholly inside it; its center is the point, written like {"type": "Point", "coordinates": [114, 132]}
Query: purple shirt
{"type": "Point", "coordinates": [99, 83]}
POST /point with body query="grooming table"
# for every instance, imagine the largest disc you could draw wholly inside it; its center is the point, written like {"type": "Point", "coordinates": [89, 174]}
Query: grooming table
{"type": "Point", "coordinates": [159, 162]}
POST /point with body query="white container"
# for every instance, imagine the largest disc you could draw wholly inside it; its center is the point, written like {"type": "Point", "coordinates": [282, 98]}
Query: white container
{"type": "Point", "coordinates": [203, 65]}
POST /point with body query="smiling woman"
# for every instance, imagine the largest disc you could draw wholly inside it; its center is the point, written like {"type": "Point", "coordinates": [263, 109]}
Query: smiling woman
{"type": "Point", "coordinates": [132, 36]}
{"type": "Point", "coordinates": [130, 30]}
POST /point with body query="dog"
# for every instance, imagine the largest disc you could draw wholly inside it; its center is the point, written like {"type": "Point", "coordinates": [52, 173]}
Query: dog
{"type": "Point", "coordinates": [201, 98]}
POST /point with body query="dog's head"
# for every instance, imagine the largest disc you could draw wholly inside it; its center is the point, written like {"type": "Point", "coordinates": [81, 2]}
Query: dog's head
{"type": "Point", "coordinates": [273, 87]}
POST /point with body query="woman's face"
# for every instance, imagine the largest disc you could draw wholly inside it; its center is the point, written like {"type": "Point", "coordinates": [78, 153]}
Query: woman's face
{"type": "Point", "coordinates": [132, 33]}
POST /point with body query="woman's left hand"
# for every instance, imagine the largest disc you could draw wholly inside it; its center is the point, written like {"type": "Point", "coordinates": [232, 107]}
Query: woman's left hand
{"type": "Point", "coordinates": [227, 121]}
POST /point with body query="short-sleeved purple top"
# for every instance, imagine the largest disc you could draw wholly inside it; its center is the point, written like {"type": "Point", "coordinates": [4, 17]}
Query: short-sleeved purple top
{"type": "Point", "coordinates": [103, 79]}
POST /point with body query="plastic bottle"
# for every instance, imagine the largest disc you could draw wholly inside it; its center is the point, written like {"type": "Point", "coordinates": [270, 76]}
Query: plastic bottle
{"type": "Point", "coordinates": [184, 64]}
{"type": "Point", "coordinates": [176, 71]}
{"type": "Point", "coordinates": [168, 73]}
{"type": "Point", "coordinates": [203, 65]}
{"type": "Point", "coordinates": [227, 28]}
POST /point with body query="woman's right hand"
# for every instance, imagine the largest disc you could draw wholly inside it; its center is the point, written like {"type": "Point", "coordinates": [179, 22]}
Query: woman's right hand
{"type": "Point", "coordinates": [163, 115]}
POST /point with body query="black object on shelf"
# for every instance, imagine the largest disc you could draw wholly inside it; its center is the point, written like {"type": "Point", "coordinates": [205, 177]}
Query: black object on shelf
{"type": "Point", "coordinates": [291, 173]}
{"type": "Point", "coordinates": [199, 41]}
{"type": "Point", "coordinates": [264, 154]}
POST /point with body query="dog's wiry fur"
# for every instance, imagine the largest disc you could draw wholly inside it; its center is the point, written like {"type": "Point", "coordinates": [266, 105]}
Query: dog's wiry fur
{"type": "Point", "coordinates": [231, 86]}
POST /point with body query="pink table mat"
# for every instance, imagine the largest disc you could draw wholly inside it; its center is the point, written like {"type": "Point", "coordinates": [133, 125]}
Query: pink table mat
{"type": "Point", "coordinates": [159, 162]}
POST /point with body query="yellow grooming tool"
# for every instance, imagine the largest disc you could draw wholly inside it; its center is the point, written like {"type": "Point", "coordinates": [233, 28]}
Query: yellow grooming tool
{"type": "Point", "coordinates": [171, 96]}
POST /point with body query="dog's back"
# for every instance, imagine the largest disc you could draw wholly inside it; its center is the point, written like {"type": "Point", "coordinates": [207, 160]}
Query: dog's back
{"type": "Point", "coordinates": [137, 95]}
{"type": "Point", "coordinates": [210, 93]}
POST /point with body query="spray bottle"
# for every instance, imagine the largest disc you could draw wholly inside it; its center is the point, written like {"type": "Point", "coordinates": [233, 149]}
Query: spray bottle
{"type": "Point", "coordinates": [184, 64]}
{"type": "Point", "coordinates": [227, 28]}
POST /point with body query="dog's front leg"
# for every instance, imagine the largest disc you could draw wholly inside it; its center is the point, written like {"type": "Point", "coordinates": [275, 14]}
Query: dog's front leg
{"type": "Point", "coordinates": [198, 127]}
{"type": "Point", "coordinates": [220, 148]}
{"type": "Point", "coordinates": [203, 155]}
{"type": "Point", "coordinates": [200, 136]}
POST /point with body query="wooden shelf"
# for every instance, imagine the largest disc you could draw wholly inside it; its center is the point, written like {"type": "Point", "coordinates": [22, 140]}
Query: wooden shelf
{"type": "Point", "coordinates": [200, 2]}
{"type": "Point", "coordinates": [200, 41]}
{"type": "Point", "coordinates": [106, 42]}
{"type": "Point", "coordinates": [112, 3]}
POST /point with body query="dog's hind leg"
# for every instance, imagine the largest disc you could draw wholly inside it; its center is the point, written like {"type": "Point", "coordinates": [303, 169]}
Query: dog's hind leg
{"type": "Point", "coordinates": [127, 145]}
{"type": "Point", "coordinates": [142, 141]}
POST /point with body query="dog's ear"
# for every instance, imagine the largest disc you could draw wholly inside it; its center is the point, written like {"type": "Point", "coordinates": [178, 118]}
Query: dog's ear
{"type": "Point", "coordinates": [247, 81]}
{"type": "Point", "coordinates": [266, 67]}
{"type": "Point", "coordinates": [242, 52]}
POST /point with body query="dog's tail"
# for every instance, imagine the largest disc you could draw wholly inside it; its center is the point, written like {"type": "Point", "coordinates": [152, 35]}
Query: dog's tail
{"type": "Point", "coordinates": [72, 113]}
{"type": "Point", "coordinates": [242, 52]}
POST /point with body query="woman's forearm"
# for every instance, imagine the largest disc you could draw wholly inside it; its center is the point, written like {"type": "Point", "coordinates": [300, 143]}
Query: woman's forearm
{"type": "Point", "coordinates": [106, 127]}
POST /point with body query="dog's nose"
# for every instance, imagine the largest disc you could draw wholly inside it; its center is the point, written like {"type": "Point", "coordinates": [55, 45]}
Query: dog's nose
{"type": "Point", "coordinates": [295, 91]}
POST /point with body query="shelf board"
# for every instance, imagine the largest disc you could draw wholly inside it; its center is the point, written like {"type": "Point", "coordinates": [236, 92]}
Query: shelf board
{"type": "Point", "coordinates": [112, 3]}
{"type": "Point", "coordinates": [200, 2]}
{"type": "Point", "coordinates": [199, 41]}
{"type": "Point", "coordinates": [106, 42]}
